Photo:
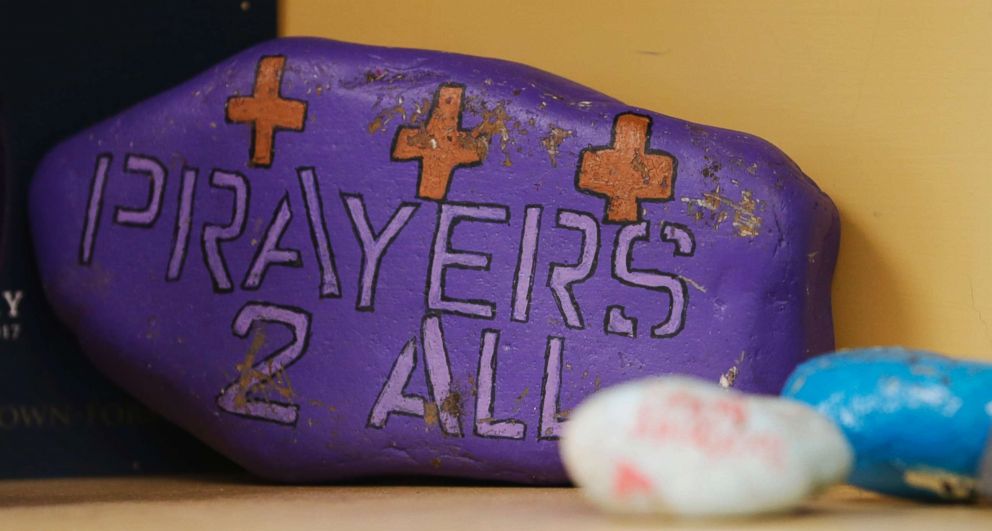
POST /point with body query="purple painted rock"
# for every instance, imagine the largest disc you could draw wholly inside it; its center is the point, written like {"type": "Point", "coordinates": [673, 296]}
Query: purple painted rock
{"type": "Point", "coordinates": [329, 260]}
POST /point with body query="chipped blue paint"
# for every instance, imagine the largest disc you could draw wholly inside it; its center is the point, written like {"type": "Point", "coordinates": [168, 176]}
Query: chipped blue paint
{"type": "Point", "coordinates": [919, 422]}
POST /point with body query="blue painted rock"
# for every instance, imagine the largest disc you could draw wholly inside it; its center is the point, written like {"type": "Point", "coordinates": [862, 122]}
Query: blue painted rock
{"type": "Point", "coordinates": [329, 260]}
{"type": "Point", "coordinates": [919, 422]}
{"type": "Point", "coordinates": [985, 475]}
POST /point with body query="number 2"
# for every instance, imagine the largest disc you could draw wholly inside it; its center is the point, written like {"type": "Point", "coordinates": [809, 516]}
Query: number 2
{"type": "Point", "coordinates": [256, 377]}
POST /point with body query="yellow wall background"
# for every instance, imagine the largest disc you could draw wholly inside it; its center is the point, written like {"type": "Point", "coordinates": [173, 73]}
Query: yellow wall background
{"type": "Point", "coordinates": [886, 104]}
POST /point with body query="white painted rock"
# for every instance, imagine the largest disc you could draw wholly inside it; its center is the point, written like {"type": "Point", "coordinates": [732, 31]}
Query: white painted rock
{"type": "Point", "coordinates": [681, 446]}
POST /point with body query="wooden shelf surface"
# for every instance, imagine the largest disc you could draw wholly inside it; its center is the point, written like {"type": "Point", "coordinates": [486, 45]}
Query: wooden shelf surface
{"type": "Point", "coordinates": [189, 503]}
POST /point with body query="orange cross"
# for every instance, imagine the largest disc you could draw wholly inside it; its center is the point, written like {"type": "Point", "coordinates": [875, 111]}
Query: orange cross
{"type": "Point", "coordinates": [627, 172]}
{"type": "Point", "coordinates": [266, 110]}
{"type": "Point", "coordinates": [441, 145]}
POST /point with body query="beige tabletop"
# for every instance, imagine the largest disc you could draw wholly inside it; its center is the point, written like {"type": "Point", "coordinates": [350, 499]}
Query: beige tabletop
{"type": "Point", "coordinates": [190, 503]}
